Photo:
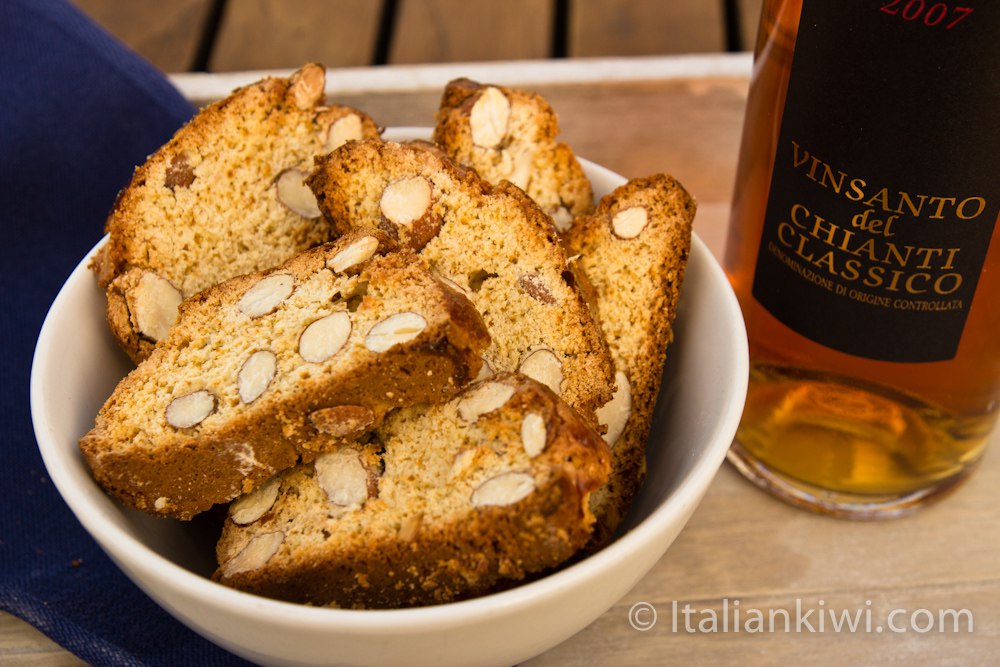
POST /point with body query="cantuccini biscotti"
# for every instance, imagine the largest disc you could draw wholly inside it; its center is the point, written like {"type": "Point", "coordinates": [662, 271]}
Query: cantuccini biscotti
{"type": "Point", "coordinates": [493, 243]}
{"type": "Point", "coordinates": [634, 252]}
{"type": "Point", "coordinates": [263, 370]}
{"type": "Point", "coordinates": [510, 134]}
{"type": "Point", "coordinates": [451, 501]}
{"type": "Point", "coordinates": [222, 198]}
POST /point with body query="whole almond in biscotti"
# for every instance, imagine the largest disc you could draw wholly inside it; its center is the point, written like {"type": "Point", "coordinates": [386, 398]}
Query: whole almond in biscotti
{"type": "Point", "coordinates": [493, 243]}
{"type": "Point", "coordinates": [274, 367]}
{"type": "Point", "coordinates": [510, 134]}
{"type": "Point", "coordinates": [439, 507]}
{"type": "Point", "coordinates": [224, 197]}
{"type": "Point", "coordinates": [633, 251]}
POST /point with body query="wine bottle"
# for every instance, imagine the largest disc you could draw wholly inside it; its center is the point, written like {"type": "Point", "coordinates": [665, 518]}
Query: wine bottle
{"type": "Point", "coordinates": [863, 250]}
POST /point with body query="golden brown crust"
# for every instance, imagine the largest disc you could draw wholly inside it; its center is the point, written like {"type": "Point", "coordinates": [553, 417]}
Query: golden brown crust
{"type": "Point", "coordinates": [205, 206]}
{"type": "Point", "coordinates": [637, 282]}
{"type": "Point", "coordinates": [493, 243]}
{"type": "Point", "coordinates": [253, 429]}
{"type": "Point", "coordinates": [520, 148]}
{"type": "Point", "coordinates": [421, 539]}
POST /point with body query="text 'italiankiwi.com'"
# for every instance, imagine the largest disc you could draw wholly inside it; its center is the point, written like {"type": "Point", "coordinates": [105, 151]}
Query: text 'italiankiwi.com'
{"type": "Point", "coordinates": [813, 616]}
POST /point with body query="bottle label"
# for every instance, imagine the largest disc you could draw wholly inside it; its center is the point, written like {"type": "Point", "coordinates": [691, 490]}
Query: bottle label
{"type": "Point", "coordinates": [886, 182]}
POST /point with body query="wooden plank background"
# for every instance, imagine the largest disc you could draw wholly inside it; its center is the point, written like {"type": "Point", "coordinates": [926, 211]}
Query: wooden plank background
{"type": "Point", "coordinates": [235, 35]}
{"type": "Point", "coordinates": [263, 34]}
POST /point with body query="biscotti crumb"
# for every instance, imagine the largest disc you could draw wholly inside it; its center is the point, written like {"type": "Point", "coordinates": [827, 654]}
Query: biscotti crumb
{"type": "Point", "coordinates": [448, 503]}
{"type": "Point", "coordinates": [222, 198]}
{"type": "Point", "coordinates": [272, 367]}
{"type": "Point", "coordinates": [509, 134]}
{"type": "Point", "coordinates": [492, 243]}
{"type": "Point", "coordinates": [633, 251]}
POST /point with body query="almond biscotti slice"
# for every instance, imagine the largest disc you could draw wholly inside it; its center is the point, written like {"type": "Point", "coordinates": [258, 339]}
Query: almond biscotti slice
{"type": "Point", "coordinates": [222, 198]}
{"type": "Point", "coordinates": [634, 252]}
{"type": "Point", "coordinates": [510, 134]}
{"type": "Point", "coordinates": [493, 243]}
{"type": "Point", "coordinates": [455, 499]}
{"type": "Point", "coordinates": [259, 369]}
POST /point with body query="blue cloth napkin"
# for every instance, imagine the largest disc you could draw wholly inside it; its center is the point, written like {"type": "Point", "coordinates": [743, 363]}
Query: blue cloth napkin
{"type": "Point", "coordinates": [78, 112]}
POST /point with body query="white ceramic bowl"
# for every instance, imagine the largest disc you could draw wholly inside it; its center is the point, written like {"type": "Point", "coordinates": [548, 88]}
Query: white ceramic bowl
{"type": "Point", "coordinates": [77, 364]}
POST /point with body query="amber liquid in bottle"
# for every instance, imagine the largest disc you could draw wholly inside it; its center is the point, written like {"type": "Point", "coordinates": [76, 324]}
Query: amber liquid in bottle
{"type": "Point", "coordinates": [830, 431]}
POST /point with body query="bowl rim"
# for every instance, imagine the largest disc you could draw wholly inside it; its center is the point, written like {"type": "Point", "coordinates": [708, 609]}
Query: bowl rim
{"type": "Point", "coordinates": [131, 553]}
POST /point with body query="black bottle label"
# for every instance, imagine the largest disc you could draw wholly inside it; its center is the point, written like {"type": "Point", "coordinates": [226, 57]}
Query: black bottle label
{"type": "Point", "coordinates": [886, 182]}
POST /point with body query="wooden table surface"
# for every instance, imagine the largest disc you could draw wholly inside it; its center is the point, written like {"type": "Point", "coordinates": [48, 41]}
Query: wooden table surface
{"type": "Point", "coordinates": [237, 35]}
{"type": "Point", "coordinates": [742, 549]}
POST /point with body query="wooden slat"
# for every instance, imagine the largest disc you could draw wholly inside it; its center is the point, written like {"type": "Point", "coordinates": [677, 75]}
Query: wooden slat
{"type": "Point", "coordinates": [741, 544]}
{"type": "Point", "coordinates": [269, 34]}
{"type": "Point", "coordinates": [24, 646]}
{"type": "Point", "coordinates": [662, 646]}
{"type": "Point", "coordinates": [644, 27]}
{"type": "Point", "coordinates": [165, 33]}
{"type": "Point", "coordinates": [430, 31]}
{"type": "Point", "coordinates": [749, 17]}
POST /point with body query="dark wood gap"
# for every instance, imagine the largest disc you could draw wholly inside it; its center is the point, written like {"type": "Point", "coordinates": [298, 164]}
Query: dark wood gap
{"type": "Point", "coordinates": [386, 30]}
{"type": "Point", "coordinates": [733, 25]}
{"type": "Point", "coordinates": [209, 34]}
{"type": "Point", "coordinates": [560, 29]}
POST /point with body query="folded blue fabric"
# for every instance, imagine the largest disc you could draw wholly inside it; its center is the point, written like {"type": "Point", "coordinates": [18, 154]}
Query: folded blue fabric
{"type": "Point", "coordinates": [78, 112]}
